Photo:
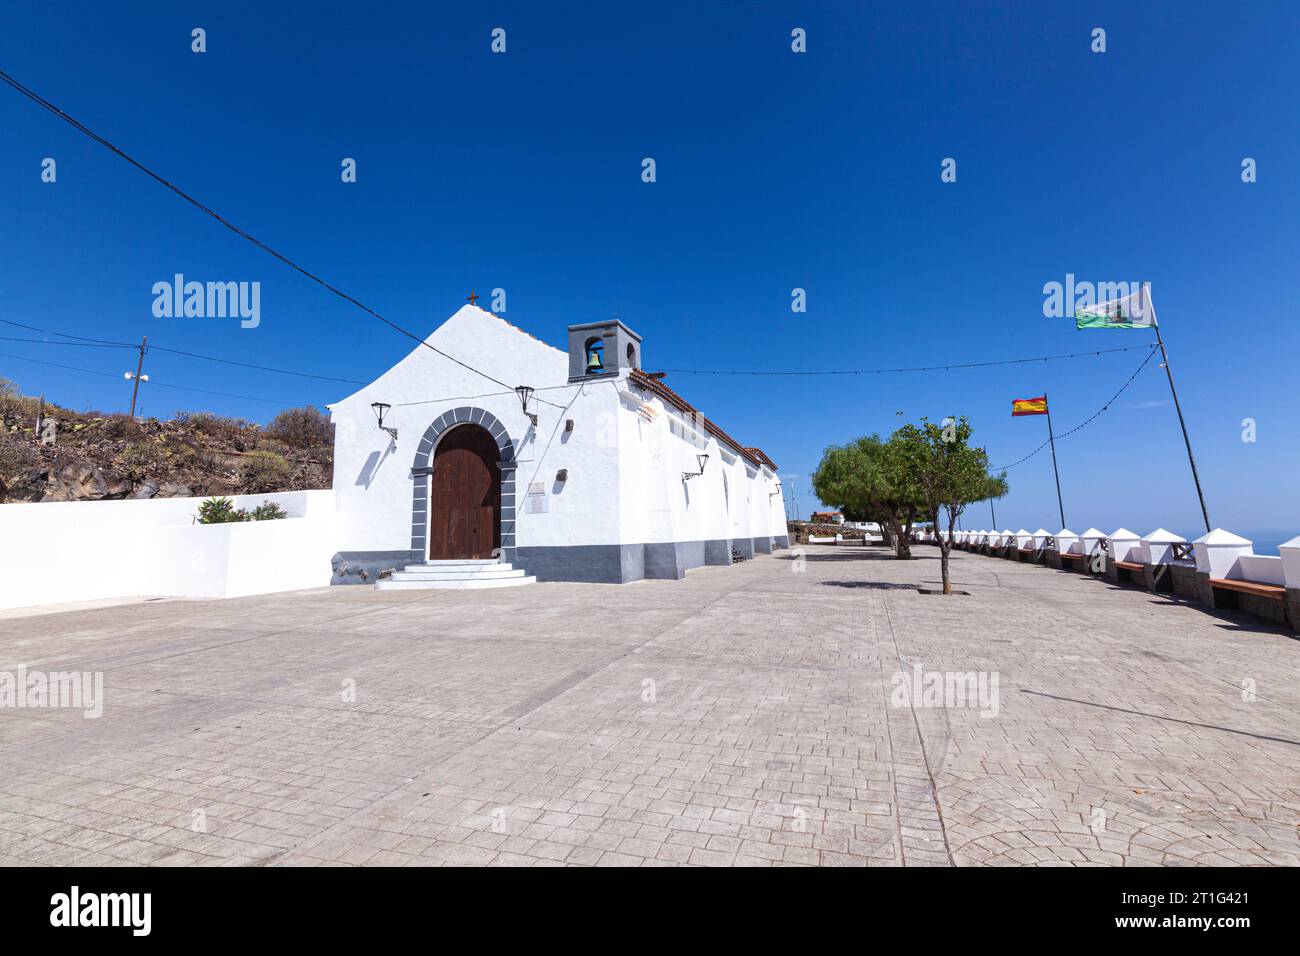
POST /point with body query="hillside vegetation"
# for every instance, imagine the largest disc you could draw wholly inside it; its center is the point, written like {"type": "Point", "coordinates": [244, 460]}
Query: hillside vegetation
{"type": "Point", "coordinates": [102, 456]}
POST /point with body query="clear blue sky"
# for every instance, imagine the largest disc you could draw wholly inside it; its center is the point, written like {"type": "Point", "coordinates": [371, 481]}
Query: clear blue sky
{"type": "Point", "coordinates": [775, 171]}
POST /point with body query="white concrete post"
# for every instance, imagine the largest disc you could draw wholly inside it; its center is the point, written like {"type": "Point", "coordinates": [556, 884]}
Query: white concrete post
{"type": "Point", "coordinates": [1040, 538]}
{"type": "Point", "coordinates": [1218, 551]}
{"type": "Point", "coordinates": [1024, 539]}
{"type": "Point", "coordinates": [1122, 544]}
{"type": "Point", "coordinates": [1290, 552]}
{"type": "Point", "coordinates": [1067, 542]}
{"type": "Point", "coordinates": [1092, 539]}
{"type": "Point", "coordinates": [1158, 547]}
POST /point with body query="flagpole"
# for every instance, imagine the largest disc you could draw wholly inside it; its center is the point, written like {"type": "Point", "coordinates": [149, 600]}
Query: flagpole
{"type": "Point", "coordinates": [1047, 406]}
{"type": "Point", "coordinates": [1181, 423]}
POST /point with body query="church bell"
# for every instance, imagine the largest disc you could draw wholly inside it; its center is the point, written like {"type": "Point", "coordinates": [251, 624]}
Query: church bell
{"type": "Point", "coordinates": [593, 361]}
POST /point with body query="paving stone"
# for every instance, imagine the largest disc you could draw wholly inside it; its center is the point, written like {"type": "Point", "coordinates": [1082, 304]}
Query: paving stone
{"type": "Point", "coordinates": [509, 728]}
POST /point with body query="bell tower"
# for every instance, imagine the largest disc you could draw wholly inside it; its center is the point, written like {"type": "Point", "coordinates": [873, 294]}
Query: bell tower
{"type": "Point", "coordinates": [602, 350]}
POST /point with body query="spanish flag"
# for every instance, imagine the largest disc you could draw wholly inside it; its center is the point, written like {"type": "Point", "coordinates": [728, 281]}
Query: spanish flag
{"type": "Point", "coordinates": [1029, 406]}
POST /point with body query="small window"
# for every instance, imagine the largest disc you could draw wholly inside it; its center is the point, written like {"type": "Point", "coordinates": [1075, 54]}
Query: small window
{"type": "Point", "coordinates": [631, 355]}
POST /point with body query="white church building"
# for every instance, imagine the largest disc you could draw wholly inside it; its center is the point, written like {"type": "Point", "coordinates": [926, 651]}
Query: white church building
{"type": "Point", "coordinates": [488, 455]}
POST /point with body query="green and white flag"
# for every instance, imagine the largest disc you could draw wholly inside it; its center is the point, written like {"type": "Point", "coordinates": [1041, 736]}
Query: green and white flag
{"type": "Point", "coordinates": [1134, 311]}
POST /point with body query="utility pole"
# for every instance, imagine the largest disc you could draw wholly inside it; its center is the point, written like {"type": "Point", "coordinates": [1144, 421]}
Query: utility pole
{"type": "Point", "coordinates": [40, 417]}
{"type": "Point", "coordinates": [135, 388]}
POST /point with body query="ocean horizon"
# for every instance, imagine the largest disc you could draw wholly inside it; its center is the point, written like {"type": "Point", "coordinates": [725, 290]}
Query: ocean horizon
{"type": "Point", "coordinates": [1265, 542]}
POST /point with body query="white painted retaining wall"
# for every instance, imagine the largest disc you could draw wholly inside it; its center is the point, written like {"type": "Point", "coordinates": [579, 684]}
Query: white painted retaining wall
{"type": "Point", "coordinates": [1264, 568]}
{"type": "Point", "coordinates": [1218, 553]}
{"type": "Point", "coordinates": [61, 551]}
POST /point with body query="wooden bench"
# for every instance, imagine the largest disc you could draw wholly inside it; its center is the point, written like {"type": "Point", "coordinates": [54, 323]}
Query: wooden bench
{"type": "Point", "coordinates": [1226, 596]}
{"type": "Point", "coordinates": [1127, 572]}
{"type": "Point", "coordinates": [1273, 592]}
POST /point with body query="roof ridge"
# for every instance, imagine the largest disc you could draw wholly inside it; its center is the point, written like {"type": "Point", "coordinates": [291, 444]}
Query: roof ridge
{"type": "Point", "coordinates": [654, 385]}
{"type": "Point", "coordinates": [509, 324]}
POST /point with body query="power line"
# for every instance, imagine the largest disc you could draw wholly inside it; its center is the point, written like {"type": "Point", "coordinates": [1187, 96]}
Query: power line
{"type": "Point", "coordinates": [154, 384]}
{"type": "Point", "coordinates": [919, 368]}
{"type": "Point", "coordinates": [1090, 418]}
{"type": "Point", "coordinates": [262, 368]}
{"type": "Point", "coordinates": [65, 335]}
{"type": "Point", "coordinates": [84, 345]}
{"type": "Point", "coordinates": [99, 343]}
{"type": "Point", "coordinates": [468, 398]}
{"type": "Point", "coordinates": [46, 104]}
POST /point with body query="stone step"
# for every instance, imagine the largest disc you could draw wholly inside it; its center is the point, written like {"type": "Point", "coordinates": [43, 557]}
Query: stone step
{"type": "Point", "coordinates": [457, 584]}
{"type": "Point", "coordinates": [462, 567]}
{"type": "Point", "coordinates": [450, 561]}
{"type": "Point", "coordinates": [449, 574]}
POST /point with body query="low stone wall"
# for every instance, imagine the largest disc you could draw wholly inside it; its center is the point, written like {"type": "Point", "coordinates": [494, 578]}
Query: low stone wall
{"type": "Point", "coordinates": [799, 531]}
{"type": "Point", "coordinates": [1191, 584]}
{"type": "Point", "coordinates": [1180, 578]}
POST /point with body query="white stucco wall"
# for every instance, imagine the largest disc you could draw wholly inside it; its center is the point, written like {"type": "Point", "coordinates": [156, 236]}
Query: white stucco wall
{"type": "Point", "coordinates": [57, 552]}
{"type": "Point", "coordinates": [658, 506]}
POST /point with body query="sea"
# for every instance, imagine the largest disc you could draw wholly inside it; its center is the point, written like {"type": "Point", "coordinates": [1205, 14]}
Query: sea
{"type": "Point", "coordinates": [1265, 542]}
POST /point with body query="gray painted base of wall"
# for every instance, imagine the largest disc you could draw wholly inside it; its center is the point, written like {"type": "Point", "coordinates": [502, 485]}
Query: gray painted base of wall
{"type": "Point", "coordinates": [591, 563]}
{"type": "Point", "coordinates": [621, 563]}
{"type": "Point", "coordinates": [364, 567]}
{"type": "Point", "coordinates": [718, 551]}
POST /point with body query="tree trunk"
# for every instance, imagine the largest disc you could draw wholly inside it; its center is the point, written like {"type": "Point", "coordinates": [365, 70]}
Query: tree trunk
{"type": "Point", "coordinates": [901, 549]}
{"type": "Point", "coordinates": [945, 544]}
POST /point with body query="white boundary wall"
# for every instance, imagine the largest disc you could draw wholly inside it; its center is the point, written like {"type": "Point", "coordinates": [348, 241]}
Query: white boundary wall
{"type": "Point", "coordinates": [60, 551]}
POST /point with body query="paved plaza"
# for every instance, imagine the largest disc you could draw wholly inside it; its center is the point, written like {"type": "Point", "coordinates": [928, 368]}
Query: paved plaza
{"type": "Point", "coordinates": [761, 714]}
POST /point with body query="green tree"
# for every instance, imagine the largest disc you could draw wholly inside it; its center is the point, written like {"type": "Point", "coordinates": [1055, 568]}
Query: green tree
{"type": "Point", "coordinates": [948, 474]}
{"type": "Point", "coordinates": [869, 477]}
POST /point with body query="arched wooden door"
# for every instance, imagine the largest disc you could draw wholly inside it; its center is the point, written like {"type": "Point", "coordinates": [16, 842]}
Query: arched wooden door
{"type": "Point", "coordinates": [466, 497]}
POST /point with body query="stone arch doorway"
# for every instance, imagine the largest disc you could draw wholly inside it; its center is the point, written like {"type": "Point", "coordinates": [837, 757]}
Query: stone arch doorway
{"type": "Point", "coordinates": [465, 496]}
{"type": "Point", "coordinates": [425, 507]}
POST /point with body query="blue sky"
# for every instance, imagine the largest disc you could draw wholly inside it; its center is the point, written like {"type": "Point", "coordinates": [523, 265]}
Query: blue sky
{"type": "Point", "coordinates": [775, 170]}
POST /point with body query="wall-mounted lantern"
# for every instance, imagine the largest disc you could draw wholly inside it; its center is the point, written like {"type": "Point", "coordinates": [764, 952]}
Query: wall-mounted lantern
{"type": "Point", "coordinates": [688, 475]}
{"type": "Point", "coordinates": [773, 494]}
{"type": "Point", "coordinates": [381, 409]}
{"type": "Point", "coordinates": [525, 393]}
{"type": "Point", "coordinates": [568, 424]}
{"type": "Point", "coordinates": [562, 475]}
